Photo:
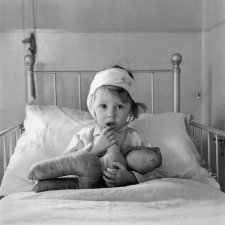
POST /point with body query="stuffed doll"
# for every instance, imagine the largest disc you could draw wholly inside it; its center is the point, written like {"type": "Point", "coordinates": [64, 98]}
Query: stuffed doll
{"type": "Point", "coordinates": [55, 173]}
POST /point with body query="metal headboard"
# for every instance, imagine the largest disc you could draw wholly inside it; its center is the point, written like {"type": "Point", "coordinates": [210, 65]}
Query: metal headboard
{"type": "Point", "coordinates": [175, 71]}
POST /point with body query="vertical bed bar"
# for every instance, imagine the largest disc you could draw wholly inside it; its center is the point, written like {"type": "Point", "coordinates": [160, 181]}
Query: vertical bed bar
{"type": "Point", "coordinates": [10, 145]}
{"type": "Point", "coordinates": [209, 153]}
{"type": "Point", "coordinates": [201, 144]}
{"type": "Point", "coordinates": [152, 94]}
{"type": "Point", "coordinates": [4, 153]}
{"type": "Point", "coordinates": [55, 89]}
{"type": "Point", "coordinates": [176, 60]}
{"type": "Point", "coordinates": [217, 158]}
{"type": "Point", "coordinates": [79, 89]}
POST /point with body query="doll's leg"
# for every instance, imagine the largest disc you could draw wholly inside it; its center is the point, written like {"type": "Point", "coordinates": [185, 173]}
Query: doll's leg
{"type": "Point", "coordinates": [144, 159]}
{"type": "Point", "coordinates": [82, 164]}
{"type": "Point", "coordinates": [113, 154]}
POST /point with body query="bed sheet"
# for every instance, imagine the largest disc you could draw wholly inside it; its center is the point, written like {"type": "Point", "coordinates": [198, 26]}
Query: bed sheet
{"type": "Point", "coordinates": [163, 201]}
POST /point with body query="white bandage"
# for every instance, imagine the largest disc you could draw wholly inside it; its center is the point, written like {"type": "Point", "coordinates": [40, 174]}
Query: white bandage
{"type": "Point", "coordinates": [115, 77]}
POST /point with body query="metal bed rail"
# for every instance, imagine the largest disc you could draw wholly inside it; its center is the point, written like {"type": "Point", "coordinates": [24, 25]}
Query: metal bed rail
{"type": "Point", "coordinates": [210, 143]}
{"type": "Point", "coordinates": [8, 141]}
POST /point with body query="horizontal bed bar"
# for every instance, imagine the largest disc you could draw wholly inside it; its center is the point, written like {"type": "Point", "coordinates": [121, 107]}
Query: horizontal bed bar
{"type": "Point", "coordinates": [209, 129]}
{"type": "Point", "coordinates": [11, 129]}
{"type": "Point", "coordinates": [95, 71]}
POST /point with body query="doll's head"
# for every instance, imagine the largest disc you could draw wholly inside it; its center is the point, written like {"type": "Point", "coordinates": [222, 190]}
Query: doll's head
{"type": "Point", "coordinates": [112, 98]}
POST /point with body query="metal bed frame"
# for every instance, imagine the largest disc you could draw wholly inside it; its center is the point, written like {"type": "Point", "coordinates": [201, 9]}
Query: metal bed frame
{"type": "Point", "coordinates": [204, 137]}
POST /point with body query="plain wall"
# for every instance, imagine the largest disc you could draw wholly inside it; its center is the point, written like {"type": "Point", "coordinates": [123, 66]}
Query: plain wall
{"type": "Point", "coordinates": [12, 79]}
{"type": "Point", "coordinates": [213, 79]}
{"type": "Point", "coordinates": [214, 66]}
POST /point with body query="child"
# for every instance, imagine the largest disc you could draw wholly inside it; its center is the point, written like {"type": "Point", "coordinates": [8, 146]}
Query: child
{"type": "Point", "coordinates": [112, 101]}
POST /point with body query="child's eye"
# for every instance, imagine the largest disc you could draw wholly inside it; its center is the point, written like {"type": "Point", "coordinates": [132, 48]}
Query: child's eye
{"type": "Point", "coordinates": [120, 106]}
{"type": "Point", "coordinates": [103, 106]}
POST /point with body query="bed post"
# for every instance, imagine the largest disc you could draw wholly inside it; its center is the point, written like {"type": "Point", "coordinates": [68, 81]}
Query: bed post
{"type": "Point", "coordinates": [176, 60]}
{"type": "Point", "coordinates": [29, 60]}
{"type": "Point", "coordinates": [29, 64]}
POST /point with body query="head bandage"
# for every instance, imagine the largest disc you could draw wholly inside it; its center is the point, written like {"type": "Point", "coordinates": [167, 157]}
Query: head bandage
{"type": "Point", "coordinates": [115, 77]}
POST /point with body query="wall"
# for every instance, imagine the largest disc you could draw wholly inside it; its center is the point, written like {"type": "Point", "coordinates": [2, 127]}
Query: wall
{"type": "Point", "coordinates": [213, 71]}
{"type": "Point", "coordinates": [214, 61]}
{"type": "Point", "coordinates": [12, 85]}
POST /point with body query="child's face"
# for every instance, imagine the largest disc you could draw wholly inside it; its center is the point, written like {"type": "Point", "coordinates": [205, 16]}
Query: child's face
{"type": "Point", "coordinates": [110, 110]}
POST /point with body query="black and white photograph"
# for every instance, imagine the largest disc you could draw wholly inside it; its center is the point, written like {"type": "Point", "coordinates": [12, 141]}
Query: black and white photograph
{"type": "Point", "coordinates": [112, 112]}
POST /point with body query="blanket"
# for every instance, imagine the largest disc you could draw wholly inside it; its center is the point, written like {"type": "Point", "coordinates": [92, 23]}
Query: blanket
{"type": "Point", "coordinates": [162, 201]}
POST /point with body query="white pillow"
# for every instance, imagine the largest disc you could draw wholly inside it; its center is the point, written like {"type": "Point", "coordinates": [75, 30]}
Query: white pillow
{"type": "Point", "coordinates": [168, 131]}
{"type": "Point", "coordinates": [48, 131]}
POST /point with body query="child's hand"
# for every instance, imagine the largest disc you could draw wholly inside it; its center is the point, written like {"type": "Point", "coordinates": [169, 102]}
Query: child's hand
{"type": "Point", "coordinates": [118, 177]}
{"type": "Point", "coordinates": [104, 140]}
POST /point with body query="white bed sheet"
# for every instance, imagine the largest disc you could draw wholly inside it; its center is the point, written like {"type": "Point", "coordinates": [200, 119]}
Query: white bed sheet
{"type": "Point", "coordinates": [164, 201]}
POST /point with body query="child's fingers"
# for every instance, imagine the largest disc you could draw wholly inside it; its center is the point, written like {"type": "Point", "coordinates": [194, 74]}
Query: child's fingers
{"type": "Point", "coordinates": [109, 133]}
{"type": "Point", "coordinates": [111, 173]}
{"type": "Point", "coordinates": [112, 142]}
{"type": "Point", "coordinates": [111, 137]}
{"type": "Point", "coordinates": [107, 129]}
{"type": "Point", "coordinates": [109, 183]}
{"type": "Point", "coordinates": [109, 177]}
{"type": "Point", "coordinates": [119, 165]}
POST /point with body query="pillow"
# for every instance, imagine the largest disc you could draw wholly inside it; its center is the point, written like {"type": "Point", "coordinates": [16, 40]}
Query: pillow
{"type": "Point", "coordinates": [170, 132]}
{"type": "Point", "coordinates": [48, 131]}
